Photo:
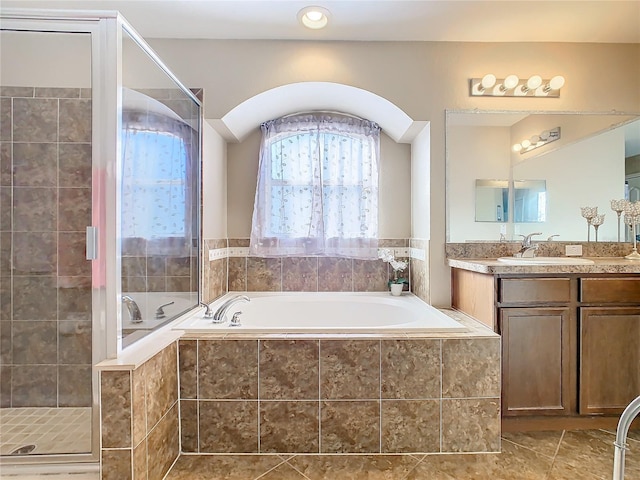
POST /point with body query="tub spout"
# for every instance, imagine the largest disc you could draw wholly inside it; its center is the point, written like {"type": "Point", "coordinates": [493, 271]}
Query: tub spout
{"type": "Point", "coordinates": [219, 316]}
{"type": "Point", "coordinates": [134, 310]}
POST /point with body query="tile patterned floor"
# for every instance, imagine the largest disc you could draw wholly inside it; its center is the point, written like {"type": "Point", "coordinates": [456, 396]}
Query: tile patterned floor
{"type": "Point", "coordinates": [51, 430]}
{"type": "Point", "coordinates": [570, 455]}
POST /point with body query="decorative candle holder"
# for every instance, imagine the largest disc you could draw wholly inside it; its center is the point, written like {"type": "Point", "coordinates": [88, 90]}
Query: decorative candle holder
{"type": "Point", "coordinates": [632, 218]}
{"type": "Point", "coordinates": [618, 207]}
{"type": "Point", "coordinates": [588, 213]}
{"type": "Point", "coordinates": [596, 222]}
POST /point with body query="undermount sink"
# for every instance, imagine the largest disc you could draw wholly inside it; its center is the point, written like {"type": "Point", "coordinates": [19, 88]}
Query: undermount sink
{"type": "Point", "coordinates": [545, 261]}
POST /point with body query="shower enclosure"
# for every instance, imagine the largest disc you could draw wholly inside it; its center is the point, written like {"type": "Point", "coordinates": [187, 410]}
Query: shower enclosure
{"type": "Point", "coordinates": [99, 198]}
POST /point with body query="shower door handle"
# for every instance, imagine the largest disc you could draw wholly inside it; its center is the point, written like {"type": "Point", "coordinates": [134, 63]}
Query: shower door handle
{"type": "Point", "coordinates": [92, 243]}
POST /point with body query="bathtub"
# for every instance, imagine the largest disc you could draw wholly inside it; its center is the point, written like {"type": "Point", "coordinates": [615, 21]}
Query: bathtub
{"type": "Point", "coordinates": [148, 303]}
{"type": "Point", "coordinates": [326, 313]}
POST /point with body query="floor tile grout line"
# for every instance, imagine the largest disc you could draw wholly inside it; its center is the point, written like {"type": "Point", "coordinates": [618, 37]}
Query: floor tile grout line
{"type": "Point", "coordinates": [555, 455]}
{"type": "Point", "coordinates": [527, 448]}
{"type": "Point", "coordinates": [292, 466]}
{"type": "Point", "coordinates": [418, 462]}
{"type": "Point", "coordinates": [269, 470]}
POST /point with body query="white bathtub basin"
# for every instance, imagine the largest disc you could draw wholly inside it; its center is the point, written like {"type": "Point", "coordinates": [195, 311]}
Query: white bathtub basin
{"type": "Point", "coordinates": [328, 313]}
{"type": "Point", "coordinates": [545, 261]}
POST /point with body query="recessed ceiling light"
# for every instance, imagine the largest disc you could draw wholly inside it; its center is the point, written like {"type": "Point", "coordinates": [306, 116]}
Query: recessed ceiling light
{"type": "Point", "coordinates": [314, 17]}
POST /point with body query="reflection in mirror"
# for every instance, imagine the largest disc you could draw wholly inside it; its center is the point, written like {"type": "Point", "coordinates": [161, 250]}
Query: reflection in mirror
{"type": "Point", "coordinates": [587, 166]}
{"type": "Point", "coordinates": [159, 196]}
{"type": "Point", "coordinates": [492, 200]}
{"type": "Point", "coordinates": [529, 201]}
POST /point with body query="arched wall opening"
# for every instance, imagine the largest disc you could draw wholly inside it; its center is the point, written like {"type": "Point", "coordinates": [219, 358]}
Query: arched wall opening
{"type": "Point", "coordinates": [406, 144]}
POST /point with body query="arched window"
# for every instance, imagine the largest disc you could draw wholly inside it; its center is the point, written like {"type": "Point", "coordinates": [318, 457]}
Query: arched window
{"type": "Point", "coordinates": [317, 191]}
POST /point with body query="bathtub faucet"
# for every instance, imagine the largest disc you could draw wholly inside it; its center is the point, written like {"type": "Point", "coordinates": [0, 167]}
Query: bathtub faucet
{"type": "Point", "coordinates": [132, 306]}
{"type": "Point", "coordinates": [218, 317]}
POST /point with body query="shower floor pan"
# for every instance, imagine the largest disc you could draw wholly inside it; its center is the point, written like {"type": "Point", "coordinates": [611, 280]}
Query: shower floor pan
{"type": "Point", "coordinates": [45, 431]}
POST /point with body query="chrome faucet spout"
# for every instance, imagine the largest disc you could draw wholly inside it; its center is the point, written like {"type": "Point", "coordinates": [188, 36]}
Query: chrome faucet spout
{"type": "Point", "coordinates": [219, 316]}
{"type": "Point", "coordinates": [526, 239]}
{"type": "Point", "coordinates": [132, 307]}
{"type": "Point", "coordinates": [528, 248]}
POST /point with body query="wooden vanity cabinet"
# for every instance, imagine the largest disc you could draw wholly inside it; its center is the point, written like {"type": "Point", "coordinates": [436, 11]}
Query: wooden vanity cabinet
{"type": "Point", "coordinates": [609, 328]}
{"type": "Point", "coordinates": [570, 343]}
{"type": "Point", "coordinates": [536, 325]}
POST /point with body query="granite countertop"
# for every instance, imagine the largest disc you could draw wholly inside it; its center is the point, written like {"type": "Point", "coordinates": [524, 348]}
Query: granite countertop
{"type": "Point", "coordinates": [493, 266]}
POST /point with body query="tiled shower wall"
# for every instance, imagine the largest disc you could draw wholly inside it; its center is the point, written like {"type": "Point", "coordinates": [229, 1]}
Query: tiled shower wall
{"type": "Point", "coordinates": [45, 280]}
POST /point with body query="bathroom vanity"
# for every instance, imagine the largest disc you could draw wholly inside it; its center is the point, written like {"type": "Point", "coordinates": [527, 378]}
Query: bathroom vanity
{"type": "Point", "coordinates": [570, 337]}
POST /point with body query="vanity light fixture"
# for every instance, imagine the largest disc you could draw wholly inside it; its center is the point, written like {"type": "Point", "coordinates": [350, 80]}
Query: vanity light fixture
{"type": "Point", "coordinates": [537, 141]}
{"type": "Point", "coordinates": [513, 86]}
{"type": "Point", "coordinates": [314, 17]}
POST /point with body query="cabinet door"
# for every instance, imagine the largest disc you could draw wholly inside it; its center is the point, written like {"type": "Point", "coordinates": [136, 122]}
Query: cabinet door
{"type": "Point", "coordinates": [609, 358]}
{"type": "Point", "coordinates": [535, 361]}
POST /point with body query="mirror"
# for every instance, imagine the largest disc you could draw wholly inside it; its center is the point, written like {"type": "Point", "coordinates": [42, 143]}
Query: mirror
{"type": "Point", "coordinates": [160, 177]}
{"type": "Point", "coordinates": [492, 200]}
{"type": "Point", "coordinates": [594, 158]}
{"type": "Point", "coordinates": [529, 201]}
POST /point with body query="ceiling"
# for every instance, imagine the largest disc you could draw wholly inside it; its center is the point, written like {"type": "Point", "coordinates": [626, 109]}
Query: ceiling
{"type": "Point", "coordinates": [607, 21]}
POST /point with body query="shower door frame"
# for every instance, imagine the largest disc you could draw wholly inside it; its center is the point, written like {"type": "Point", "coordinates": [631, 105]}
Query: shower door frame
{"type": "Point", "coordinates": [105, 30]}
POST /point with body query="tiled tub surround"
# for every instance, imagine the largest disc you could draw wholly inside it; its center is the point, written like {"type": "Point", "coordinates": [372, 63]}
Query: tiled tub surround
{"type": "Point", "coordinates": [309, 274]}
{"type": "Point", "coordinates": [347, 394]}
{"type": "Point", "coordinates": [156, 273]}
{"type": "Point", "coordinates": [139, 417]}
{"type": "Point", "coordinates": [214, 274]}
{"type": "Point", "coordinates": [45, 280]}
{"type": "Point", "coordinates": [419, 268]}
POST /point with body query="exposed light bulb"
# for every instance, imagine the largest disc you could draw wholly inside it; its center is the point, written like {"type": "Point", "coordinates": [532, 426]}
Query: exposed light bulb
{"type": "Point", "coordinates": [545, 135]}
{"type": "Point", "coordinates": [534, 82]}
{"type": "Point", "coordinates": [526, 143]}
{"type": "Point", "coordinates": [511, 81]}
{"type": "Point", "coordinates": [517, 147]}
{"type": "Point", "coordinates": [488, 81]}
{"type": "Point", "coordinates": [556, 83]}
{"type": "Point", "coordinates": [534, 139]}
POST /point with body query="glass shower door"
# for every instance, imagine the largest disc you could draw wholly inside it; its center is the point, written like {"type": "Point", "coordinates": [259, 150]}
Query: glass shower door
{"type": "Point", "coordinates": [45, 278]}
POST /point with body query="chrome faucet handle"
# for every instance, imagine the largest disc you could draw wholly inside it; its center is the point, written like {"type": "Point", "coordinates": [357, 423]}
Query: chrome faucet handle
{"type": "Point", "coordinates": [526, 239]}
{"type": "Point", "coordinates": [235, 320]}
{"type": "Point", "coordinates": [160, 309]}
{"type": "Point", "coordinates": [208, 313]}
{"type": "Point", "coordinates": [550, 239]}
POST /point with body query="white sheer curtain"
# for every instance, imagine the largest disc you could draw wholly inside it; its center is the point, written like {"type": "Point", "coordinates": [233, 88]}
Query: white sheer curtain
{"type": "Point", "coordinates": [157, 183]}
{"type": "Point", "coordinates": [317, 191]}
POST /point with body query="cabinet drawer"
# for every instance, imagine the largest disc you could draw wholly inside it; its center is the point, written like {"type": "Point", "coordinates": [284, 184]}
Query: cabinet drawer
{"type": "Point", "coordinates": [535, 290]}
{"type": "Point", "coordinates": [610, 290]}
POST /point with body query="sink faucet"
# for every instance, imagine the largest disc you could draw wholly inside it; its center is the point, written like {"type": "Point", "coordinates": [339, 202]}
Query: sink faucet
{"type": "Point", "coordinates": [528, 249]}
{"type": "Point", "coordinates": [134, 310]}
{"type": "Point", "coordinates": [218, 317]}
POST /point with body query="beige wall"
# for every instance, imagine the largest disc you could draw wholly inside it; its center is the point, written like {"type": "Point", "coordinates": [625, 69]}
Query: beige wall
{"type": "Point", "coordinates": [214, 181]}
{"type": "Point", "coordinates": [422, 78]}
{"type": "Point", "coordinates": [475, 153]}
{"type": "Point", "coordinates": [45, 59]}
